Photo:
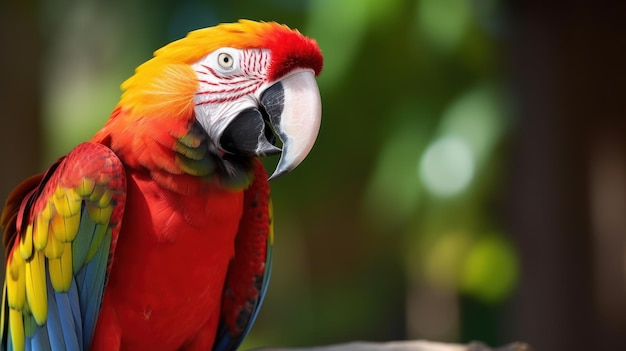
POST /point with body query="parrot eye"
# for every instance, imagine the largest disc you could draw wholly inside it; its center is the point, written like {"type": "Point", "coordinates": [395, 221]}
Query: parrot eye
{"type": "Point", "coordinates": [225, 60]}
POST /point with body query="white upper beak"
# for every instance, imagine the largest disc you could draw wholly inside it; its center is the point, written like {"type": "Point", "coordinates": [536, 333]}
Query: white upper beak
{"type": "Point", "coordinates": [296, 119]}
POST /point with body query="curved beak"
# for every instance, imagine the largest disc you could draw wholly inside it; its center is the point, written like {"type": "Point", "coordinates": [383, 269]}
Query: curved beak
{"type": "Point", "coordinates": [295, 112]}
{"type": "Point", "coordinates": [292, 108]}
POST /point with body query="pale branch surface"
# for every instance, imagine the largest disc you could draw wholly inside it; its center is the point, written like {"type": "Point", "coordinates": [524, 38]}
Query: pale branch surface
{"type": "Point", "coordinates": [414, 345]}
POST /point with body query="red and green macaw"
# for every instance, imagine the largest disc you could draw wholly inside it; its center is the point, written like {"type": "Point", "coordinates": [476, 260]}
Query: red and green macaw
{"type": "Point", "coordinates": [156, 234]}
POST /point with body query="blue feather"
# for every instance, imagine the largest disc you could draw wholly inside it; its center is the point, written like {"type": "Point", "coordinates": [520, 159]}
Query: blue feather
{"type": "Point", "coordinates": [92, 289]}
{"type": "Point", "coordinates": [68, 325]}
{"type": "Point", "coordinates": [40, 340]}
{"type": "Point", "coordinates": [75, 307]}
{"type": "Point", "coordinates": [53, 324]}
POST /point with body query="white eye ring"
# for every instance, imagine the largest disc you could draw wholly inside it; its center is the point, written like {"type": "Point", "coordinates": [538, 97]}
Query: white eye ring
{"type": "Point", "coordinates": [225, 60]}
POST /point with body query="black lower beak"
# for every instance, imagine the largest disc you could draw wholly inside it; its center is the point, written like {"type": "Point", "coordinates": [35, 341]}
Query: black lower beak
{"type": "Point", "coordinates": [249, 134]}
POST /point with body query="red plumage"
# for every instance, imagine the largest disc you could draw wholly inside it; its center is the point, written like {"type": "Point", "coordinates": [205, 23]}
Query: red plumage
{"type": "Point", "coordinates": [168, 273]}
{"type": "Point", "coordinates": [289, 52]}
{"type": "Point", "coordinates": [153, 221]}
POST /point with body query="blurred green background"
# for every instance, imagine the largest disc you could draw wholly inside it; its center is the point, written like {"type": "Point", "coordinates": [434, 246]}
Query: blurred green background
{"type": "Point", "coordinates": [468, 183]}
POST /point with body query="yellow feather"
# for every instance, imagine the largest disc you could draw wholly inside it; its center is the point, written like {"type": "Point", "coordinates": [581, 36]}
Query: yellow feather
{"type": "Point", "coordinates": [65, 228]}
{"type": "Point", "coordinates": [16, 325]}
{"type": "Point", "coordinates": [16, 287]}
{"type": "Point", "coordinates": [75, 200]}
{"type": "Point", "coordinates": [55, 247]}
{"type": "Point", "coordinates": [96, 194]}
{"type": "Point", "coordinates": [36, 290]}
{"type": "Point", "coordinates": [61, 270]}
{"type": "Point", "coordinates": [105, 200]}
{"type": "Point", "coordinates": [71, 227]}
{"type": "Point", "coordinates": [3, 308]}
{"type": "Point", "coordinates": [57, 224]}
{"type": "Point", "coordinates": [86, 188]}
{"type": "Point", "coordinates": [46, 212]}
{"type": "Point", "coordinates": [59, 192]}
{"type": "Point", "coordinates": [106, 213]}
{"type": "Point", "coordinates": [93, 211]}
{"type": "Point", "coordinates": [40, 231]}
{"type": "Point", "coordinates": [14, 265]}
{"type": "Point", "coordinates": [99, 215]}
{"type": "Point", "coordinates": [61, 204]}
{"type": "Point", "coordinates": [26, 242]}
{"type": "Point", "coordinates": [68, 203]}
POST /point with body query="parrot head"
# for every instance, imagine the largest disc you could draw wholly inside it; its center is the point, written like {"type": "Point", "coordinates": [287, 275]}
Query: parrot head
{"type": "Point", "coordinates": [244, 83]}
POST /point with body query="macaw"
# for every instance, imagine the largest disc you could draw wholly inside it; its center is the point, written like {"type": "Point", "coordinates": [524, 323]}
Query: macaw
{"type": "Point", "coordinates": [156, 234]}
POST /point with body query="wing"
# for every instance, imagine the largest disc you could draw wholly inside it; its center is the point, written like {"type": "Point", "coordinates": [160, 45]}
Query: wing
{"type": "Point", "coordinates": [249, 271]}
{"type": "Point", "coordinates": [60, 234]}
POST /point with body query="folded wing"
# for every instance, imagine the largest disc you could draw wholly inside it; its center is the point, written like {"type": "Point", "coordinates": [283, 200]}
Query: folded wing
{"type": "Point", "coordinates": [60, 232]}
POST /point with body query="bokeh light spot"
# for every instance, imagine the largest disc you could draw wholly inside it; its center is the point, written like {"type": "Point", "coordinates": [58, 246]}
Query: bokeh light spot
{"type": "Point", "coordinates": [445, 258]}
{"type": "Point", "coordinates": [491, 269]}
{"type": "Point", "coordinates": [447, 166]}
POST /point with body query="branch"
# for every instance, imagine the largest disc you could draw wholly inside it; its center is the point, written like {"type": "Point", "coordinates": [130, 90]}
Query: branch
{"type": "Point", "coordinates": [415, 345]}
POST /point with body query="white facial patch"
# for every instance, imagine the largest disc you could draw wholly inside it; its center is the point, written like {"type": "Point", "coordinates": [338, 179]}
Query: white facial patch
{"type": "Point", "coordinates": [229, 79]}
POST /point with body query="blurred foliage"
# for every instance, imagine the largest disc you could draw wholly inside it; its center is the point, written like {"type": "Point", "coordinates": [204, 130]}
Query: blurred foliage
{"type": "Point", "coordinates": [397, 207]}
